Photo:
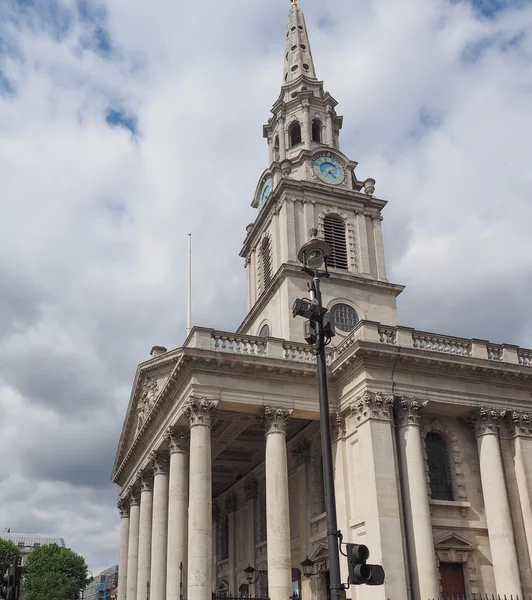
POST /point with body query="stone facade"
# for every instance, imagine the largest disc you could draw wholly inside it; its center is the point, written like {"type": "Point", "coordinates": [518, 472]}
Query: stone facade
{"type": "Point", "coordinates": [219, 461]}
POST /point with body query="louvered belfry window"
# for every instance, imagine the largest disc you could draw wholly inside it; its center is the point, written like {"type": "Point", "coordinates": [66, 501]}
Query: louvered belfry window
{"type": "Point", "coordinates": [441, 481]}
{"type": "Point", "coordinates": [266, 260]}
{"type": "Point", "coordinates": [334, 230]}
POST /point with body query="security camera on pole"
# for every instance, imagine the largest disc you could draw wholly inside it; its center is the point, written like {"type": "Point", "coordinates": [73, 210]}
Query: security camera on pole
{"type": "Point", "coordinates": [318, 333]}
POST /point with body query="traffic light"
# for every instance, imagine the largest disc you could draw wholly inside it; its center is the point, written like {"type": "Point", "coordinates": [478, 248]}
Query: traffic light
{"type": "Point", "coordinates": [360, 572]}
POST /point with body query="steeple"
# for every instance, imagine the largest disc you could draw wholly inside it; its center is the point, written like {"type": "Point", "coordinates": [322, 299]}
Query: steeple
{"type": "Point", "coordinates": [298, 57]}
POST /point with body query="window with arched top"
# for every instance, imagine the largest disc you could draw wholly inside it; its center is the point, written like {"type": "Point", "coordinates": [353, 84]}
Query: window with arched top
{"type": "Point", "coordinates": [266, 262]}
{"type": "Point", "coordinates": [295, 134]}
{"type": "Point", "coordinates": [264, 330]}
{"type": "Point", "coordinates": [335, 236]}
{"type": "Point", "coordinates": [439, 463]}
{"type": "Point", "coordinates": [316, 130]}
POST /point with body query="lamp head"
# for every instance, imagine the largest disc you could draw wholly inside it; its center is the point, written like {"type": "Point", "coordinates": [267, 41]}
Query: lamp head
{"type": "Point", "coordinates": [315, 252]}
{"type": "Point", "coordinates": [249, 571]}
{"type": "Point", "coordinates": [307, 567]}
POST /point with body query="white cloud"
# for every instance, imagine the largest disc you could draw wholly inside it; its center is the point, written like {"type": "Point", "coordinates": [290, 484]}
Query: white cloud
{"type": "Point", "coordinates": [94, 221]}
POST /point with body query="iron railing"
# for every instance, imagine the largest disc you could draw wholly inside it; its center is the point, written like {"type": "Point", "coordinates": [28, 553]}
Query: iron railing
{"type": "Point", "coordinates": [484, 597]}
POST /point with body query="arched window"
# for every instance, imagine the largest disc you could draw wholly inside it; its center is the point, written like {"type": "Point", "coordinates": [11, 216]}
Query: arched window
{"type": "Point", "coordinates": [316, 130]}
{"type": "Point", "coordinates": [276, 153]}
{"type": "Point", "coordinates": [441, 480]}
{"type": "Point", "coordinates": [334, 230]}
{"type": "Point", "coordinates": [295, 134]}
{"type": "Point", "coordinates": [264, 330]}
{"type": "Point", "coordinates": [266, 263]}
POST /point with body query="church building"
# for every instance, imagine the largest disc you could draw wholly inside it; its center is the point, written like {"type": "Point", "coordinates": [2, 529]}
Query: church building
{"type": "Point", "coordinates": [219, 460]}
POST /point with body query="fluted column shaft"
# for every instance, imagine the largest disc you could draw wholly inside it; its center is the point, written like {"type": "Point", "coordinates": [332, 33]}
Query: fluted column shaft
{"type": "Point", "coordinates": [277, 504]}
{"type": "Point", "coordinates": [282, 139]}
{"type": "Point", "coordinates": [145, 521]}
{"type": "Point", "coordinates": [123, 507]}
{"type": "Point", "coordinates": [199, 576]}
{"type": "Point", "coordinates": [330, 129]}
{"type": "Point", "coordinates": [159, 532]}
{"type": "Point", "coordinates": [425, 581]}
{"type": "Point", "coordinates": [177, 514]}
{"type": "Point", "coordinates": [133, 545]}
{"type": "Point", "coordinates": [496, 503]}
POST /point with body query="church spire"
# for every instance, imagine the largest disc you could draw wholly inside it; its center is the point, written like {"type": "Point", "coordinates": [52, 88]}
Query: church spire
{"type": "Point", "coordinates": [298, 57]}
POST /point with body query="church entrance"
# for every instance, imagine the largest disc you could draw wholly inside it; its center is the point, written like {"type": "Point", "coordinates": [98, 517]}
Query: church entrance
{"type": "Point", "coordinates": [452, 580]}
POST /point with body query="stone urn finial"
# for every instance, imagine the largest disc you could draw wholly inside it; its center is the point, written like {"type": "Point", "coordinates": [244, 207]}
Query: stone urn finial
{"type": "Point", "coordinates": [369, 186]}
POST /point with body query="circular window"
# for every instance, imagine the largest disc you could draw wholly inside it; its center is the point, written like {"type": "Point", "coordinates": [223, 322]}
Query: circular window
{"type": "Point", "coordinates": [303, 47]}
{"type": "Point", "coordinates": [293, 28]}
{"type": "Point", "coordinates": [294, 68]}
{"type": "Point", "coordinates": [306, 67]}
{"type": "Point", "coordinates": [294, 48]}
{"type": "Point", "coordinates": [344, 317]}
{"type": "Point", "coordinates": [264, 331]}
{"type": "Point", "coordinates": [301, 27]}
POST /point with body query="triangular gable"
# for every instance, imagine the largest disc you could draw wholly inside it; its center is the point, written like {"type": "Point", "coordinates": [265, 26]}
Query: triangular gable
{"type": "Point", "coordinates": [320, 553]}
{"type": "Point", "coordinates": [454, 540]}
{"type": "Point", "coordinates": [150, 380]}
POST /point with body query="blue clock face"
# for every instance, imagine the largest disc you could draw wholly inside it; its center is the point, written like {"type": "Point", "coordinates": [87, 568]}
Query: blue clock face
{"type": "Point", "coordinates": [328, 170]}
{"type": "Point", "coordinates": [266, 192]}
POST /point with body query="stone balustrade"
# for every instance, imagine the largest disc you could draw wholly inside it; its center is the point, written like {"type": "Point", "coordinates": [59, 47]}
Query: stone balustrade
{"type": "Point", "coordinates": [365, 331]}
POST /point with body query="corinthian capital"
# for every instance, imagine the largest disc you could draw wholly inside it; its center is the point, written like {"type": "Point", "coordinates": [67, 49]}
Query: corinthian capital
{"type": "Point", "coordinates": [408, 411]}
{"type": "Point", "coordinates": [133, 496]}
{"type": "Point", "coordinates": [123, 508]}
{"type": "Point", "coordinates": [159, 463]}
{"type": "Point", "coordinates": [275, 419]}
{"type": "Point", "coordinates": [486, 420]}
{"type": "Point", "coordinates": [145, 478]}
{"type": "Point", "coordinates": [372, 405]}
{"type": "Point", "coordinates": [177, 440]}
{"type": "Point", "coordinates": [519, 423]}
{"type": "Point", "coordinates": [200, 411]}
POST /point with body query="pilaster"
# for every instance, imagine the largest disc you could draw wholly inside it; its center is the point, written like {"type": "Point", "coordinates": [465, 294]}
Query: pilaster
{"type": "Point", "coordinates": [145, 527]}
{"type": "Point", "coordinates": [159, 537]}
{"type": "Point", "coordinates": [133, 496]}
{"type": "Point", "coordinates": [123, 508]}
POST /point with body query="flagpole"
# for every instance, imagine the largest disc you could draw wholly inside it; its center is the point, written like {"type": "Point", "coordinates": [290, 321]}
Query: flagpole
{"type": "Point", "coordinates": [189, 302]}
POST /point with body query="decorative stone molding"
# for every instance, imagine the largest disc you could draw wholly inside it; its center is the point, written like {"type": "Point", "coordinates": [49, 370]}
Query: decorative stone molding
{"type": "Point", "coordinates": [177, 440]}
{"type": "Point", "coordinates": [301, 452]}
{"type": "Point", "coordinates": [251, 489]}
{"type": "Point", "coordinates": [123, 508]}
{"type": "Point", "coordinates": [133, 496]}
{"type": "Point", "coordinates": [160, 463]}
{"type": "Point", "coordinates": [275, 420]}
{"type": "Point", "coordinates": [148, 397]}
{"type": "Point", "coordinates": [231, 503]}
{"type": "Point", "coordinates": [486, 420]}
{"type": "Point", "coordinates": [349, 232]}
{"type": "Point", "coordinates": [337, 426]}
{"type": "Point", "coordinates": [519, 423]}
{"type": "Point", "coordinates": [146, 480]}
{"type": "Point", "coordinates": [408, 411]}
{"type": "Point", "coordinates": [456, 548]}
{"type": "Point", "coordinates": [372, 405]}
{"type": "Point", "coordinates": [199, 411]}
{"type": "Point", "coordinates": [455, 457]}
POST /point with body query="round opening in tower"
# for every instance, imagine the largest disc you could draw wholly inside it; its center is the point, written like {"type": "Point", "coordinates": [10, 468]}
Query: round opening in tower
{"type": "Point", "coordinates": [303, 47]}
{"type": "Point", "coordinates": [295, 68]}
{"type": "Point", "coordinates": [306, 67]}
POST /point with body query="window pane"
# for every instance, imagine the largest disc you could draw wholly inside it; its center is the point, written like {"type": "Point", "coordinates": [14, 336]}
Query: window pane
{"type": "Point", "coordinates": [441, 481]}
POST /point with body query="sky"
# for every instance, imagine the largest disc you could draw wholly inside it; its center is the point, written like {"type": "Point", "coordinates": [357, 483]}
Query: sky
{"type": "Point", "coordinates": [126, 125]}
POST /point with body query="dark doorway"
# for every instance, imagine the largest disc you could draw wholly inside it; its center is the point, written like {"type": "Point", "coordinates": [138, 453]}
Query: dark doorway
{"type": "Point", "coordinates": [452, 579]}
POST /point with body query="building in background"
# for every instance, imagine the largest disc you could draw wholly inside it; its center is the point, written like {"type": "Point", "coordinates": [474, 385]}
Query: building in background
{"type": "Point", "coordinates": [26, 542]}
{"type": "Point", "coordinates": [219, 460]}
{"type": "Point", "coordinates": [102, 586]}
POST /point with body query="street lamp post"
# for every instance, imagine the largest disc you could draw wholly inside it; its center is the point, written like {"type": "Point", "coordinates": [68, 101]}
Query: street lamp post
{"type": "Point", "coordinates": [318, 332]}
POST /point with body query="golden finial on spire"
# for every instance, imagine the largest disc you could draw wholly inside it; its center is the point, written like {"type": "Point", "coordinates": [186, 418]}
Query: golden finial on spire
{"type": "Point", "coordinates": [294, 2]}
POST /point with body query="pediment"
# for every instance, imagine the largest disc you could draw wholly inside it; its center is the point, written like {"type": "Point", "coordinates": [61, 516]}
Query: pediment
{"type": "Point", "coordinates": [150, 381]}
{"type": "Point", "coordinates": [320, 553]}
{"type": "Point", "coordinates": [454, 540]}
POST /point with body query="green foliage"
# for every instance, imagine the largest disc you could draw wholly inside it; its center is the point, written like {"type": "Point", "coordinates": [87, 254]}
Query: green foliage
{"type": "Point", "coordinates": [8, 551]}
{"type": "Point", "coordinates": [54, 573]}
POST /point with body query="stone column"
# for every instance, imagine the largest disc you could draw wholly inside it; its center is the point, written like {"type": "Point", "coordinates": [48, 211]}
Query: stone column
{"type": "Point", "coordinates": [123, 507]}
{"type": "Point", "coordinates": [425, 580]}
{"type": "Point", "coordinates": [146, 507]}
{"type": "Point", "coordinates": [177, 441]}
{"type": "Point", "coordinates": [307, 131]}
{"type": "Point", "coordinates": [282, 138]}
{"type": "Point", "coordinates": [200, 412]}
{"type": "Point", "coordinates": [377, 487]}
{"type": "Point", "coordinates": [277, 507]}
{"type": "Point", "coordinates": [496, 503]}
{"type": "Point", "coordinates": [330, 128]}
{"type": "Point", "coordinates": [133, 544]}
{"type": "Point", "coordinates": [301, 454]}
{"type": "Point", "coordinates": [230, 511]}
{"type": "Point", "coordinates": [159, 531]}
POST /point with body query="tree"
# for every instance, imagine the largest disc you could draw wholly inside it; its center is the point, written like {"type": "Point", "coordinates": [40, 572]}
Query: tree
{"type": "Point", "coordinates": [54, 573]}
{"type": "Point", "coordinates": [8, 551]}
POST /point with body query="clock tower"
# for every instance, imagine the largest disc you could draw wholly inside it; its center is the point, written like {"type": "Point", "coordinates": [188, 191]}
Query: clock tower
{"type": "Point", "coordinates": [311, 184]}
